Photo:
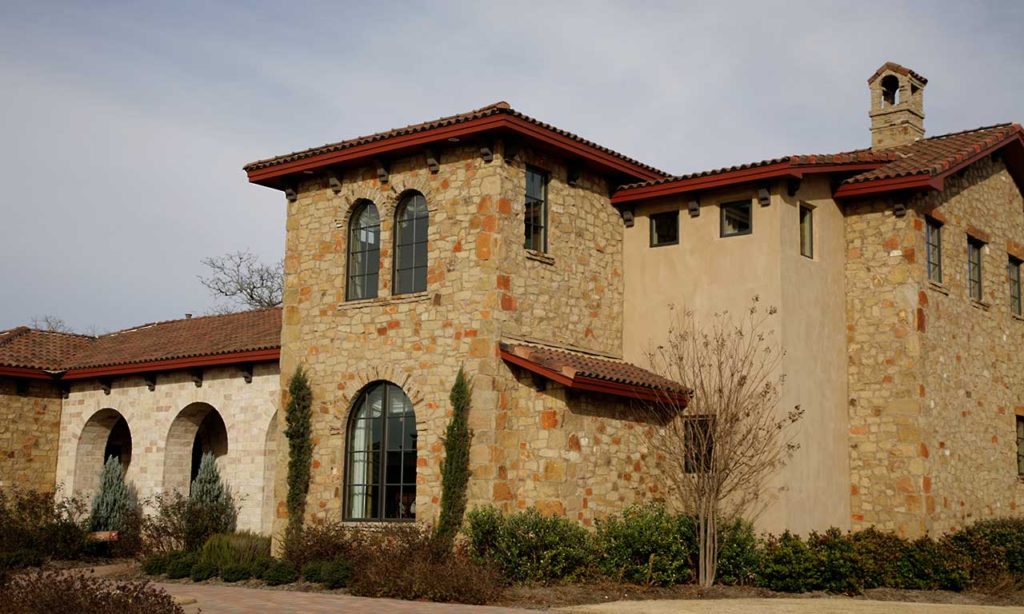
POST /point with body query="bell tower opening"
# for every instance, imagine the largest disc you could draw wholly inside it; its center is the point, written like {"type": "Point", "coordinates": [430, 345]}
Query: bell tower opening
{"type": "Point", "coordinates": [897, 106]}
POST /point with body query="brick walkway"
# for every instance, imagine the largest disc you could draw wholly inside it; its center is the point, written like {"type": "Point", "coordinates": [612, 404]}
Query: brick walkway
{"type": "Point", "coordinates": [213, 599]}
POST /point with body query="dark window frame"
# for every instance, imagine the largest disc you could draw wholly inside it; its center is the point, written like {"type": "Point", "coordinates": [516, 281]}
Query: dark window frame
{"type": "Point", "coordinates": [933, 249]}
{"type": "Point", "coordinates": [735, 204]}
{"type": "Point", "coordinates": [382, 454]}
{"type": "Point", "coordinates": [975, 268]}
{"type": "Point", "coordinates": [350, 288]}
{"type": "Point", "coordinates": [653, 218]}
{"type": "Point", "coordinates": [806, 238]}
{"type": "Point", "coordinates": [701, 461]}
{"type": "Point", "coordinates": [1013, 274]}
{"type": "Point", "coordinates": [1019, 422]}
{"type": "Point", "coordinates": [530, 228]}
{"type": "Point", "coordinates": [419, 269]}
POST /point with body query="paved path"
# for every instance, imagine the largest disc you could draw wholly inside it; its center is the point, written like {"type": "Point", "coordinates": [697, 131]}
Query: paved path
{"type": "Point", "coordinates": [784, 606]}
{"type": "Point", "coordinates": [214, 599]}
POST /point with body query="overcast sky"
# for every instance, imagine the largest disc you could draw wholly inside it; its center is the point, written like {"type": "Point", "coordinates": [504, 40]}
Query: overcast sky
{"type": "Point", "coordinates": [124, 126]}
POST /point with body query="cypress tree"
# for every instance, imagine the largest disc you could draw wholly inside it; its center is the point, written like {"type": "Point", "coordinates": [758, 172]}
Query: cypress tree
{"type": "Point", "coordinates": [114, 501]}
{"type": "Point", "coordinates": [454, 467]}
{"type": "Point", "coordinates": [300, 446]}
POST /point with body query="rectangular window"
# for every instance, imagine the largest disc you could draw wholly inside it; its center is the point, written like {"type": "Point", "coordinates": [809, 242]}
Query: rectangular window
{"type": "Point", "coordinates": [665, 228]}
{"type": "Point", "coordinates": [806, 231]}
{"type": "Point", "coordinates": [1020, 446]}
{"type": "Point", "coordinates": [933, 241]}
{"type": "Point", "coordinates": [737, 218]}
{"type": "Point", "coordinates": [1013, 273]}
{"type": "Point", "coordinates": [698, 443]}
{"type": "Point", "coordinates": [536, 210]}
{"type": "Point", "coordinates": [974, 247]}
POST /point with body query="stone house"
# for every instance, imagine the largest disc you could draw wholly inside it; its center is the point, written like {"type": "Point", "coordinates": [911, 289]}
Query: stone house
{"type": "Point", "coordinates": [545, 265]}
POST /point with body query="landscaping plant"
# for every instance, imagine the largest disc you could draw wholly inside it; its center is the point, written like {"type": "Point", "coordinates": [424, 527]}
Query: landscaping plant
{"type": "Point", "coordinates": [300, 447]}
{"type": "Point", "coordinates": [647, 545]}
{"type": "Point", "coordinates": [454, 467]}
{"type": "Point", "coordinates": [55, 591]}
{"type": "Point", "coordinates": [39, 525]}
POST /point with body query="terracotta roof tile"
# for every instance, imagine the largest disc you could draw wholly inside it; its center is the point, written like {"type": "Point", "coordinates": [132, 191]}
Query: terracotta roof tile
{"type": "Point", "coordinates": [39, 349]}
{"type": "Point", "coordinates": [894, 67]}
{"type": "Point", "coordinates": [575, 364]}
{"type": "Point", "coordinates": [174, 339]}
{"type": "Point", "coordinates": [493, 109]}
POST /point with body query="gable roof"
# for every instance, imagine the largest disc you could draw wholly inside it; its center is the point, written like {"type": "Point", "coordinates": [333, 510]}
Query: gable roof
{"type": "Point", "coordinates": [919, 165]}
{"type": "Point", "coordinates": [248, 336]}
{"type": "Point", "coordinates": [497, 116]}
{"type": "Point", "coordinates": [582, 371]}
{"type": "Point", "coordinates": [896, 68]}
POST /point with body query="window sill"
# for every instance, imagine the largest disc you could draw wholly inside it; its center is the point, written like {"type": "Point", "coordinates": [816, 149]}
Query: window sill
{"type": "Point", "coordinates": [1019, 318]}
{"type": "Point", "coordinates": [938, 288]}
{"type": "Point", "coordinates": [415, 297]}
{"type": "Point", "coordinates": [980, 305]}
{"type": "Point", "coordinates": [539, 257]}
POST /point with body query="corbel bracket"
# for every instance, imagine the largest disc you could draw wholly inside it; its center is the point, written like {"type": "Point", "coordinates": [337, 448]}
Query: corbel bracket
{"type": "Point", "coordinates": [432, 164]}
{"type": "Point", "coordinates": [764, 197]}
{"type": "Point", "coordinates": [247, 373]}
{"type": "Point", "coordinates": [382, 170]}
{"type": "Point", "coordinates": [628, 217]}
{"type": "Point", "coordinates": [793, 186]}
{"type": "Point", "coordinates": [333, 182]}
{"type": "Point", "coordinates": [151, 382]}
{"type": "Point", "coordinates": [105, 385]}
{"type": "Point", "coordinates": [573, 174]}
{"type": "Point", "coordinates": [693, 207]}
{"type": "Point", "coordinates": [899, 209]}
{"type": "Point", "coordinates": [197, 377]}
{"type": "Point", "coordinates": [291, 194]}
{"type": "Point", "coordinates": [512, 149]}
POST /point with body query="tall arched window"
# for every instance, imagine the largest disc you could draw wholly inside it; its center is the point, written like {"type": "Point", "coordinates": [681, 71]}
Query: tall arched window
{"type": "Point", "coordinates": [380, 478]}
{"type": "Point", "coordinates": [363, 252]}
{"type": "Point", "coordinates": [411, 219]}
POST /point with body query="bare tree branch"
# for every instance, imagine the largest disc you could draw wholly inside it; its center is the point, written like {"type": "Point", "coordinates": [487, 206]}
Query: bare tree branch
{"type": "Point", "coordinates": [51, 323]}
{"type": "Point", "coordinates": [721, 447]}
{"type": "Point", "coordinates": [241, 278]}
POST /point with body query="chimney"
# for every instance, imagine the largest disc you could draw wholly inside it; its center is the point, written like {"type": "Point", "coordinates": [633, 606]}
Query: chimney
{"type": "Point", "coordinates": [897, 106]}
{"type": "Point", "coordinates": [188, 316]}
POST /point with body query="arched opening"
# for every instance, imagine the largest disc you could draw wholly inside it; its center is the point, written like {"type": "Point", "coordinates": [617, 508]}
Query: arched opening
{"type": "Point", "coordinates": [196, 430]}
{"type": "Point", "coordinates": [411, 221]}
{"type": "Point", "coordinates": [105, 434]}
{"type": "Point", "coordinates": [890, 90]}
{"type": "Point", "coordinates": [269, 476]}
{"type": "Point", "coordinates": [363, 252]}
{"type": "Point", "coordinates": [380, 471]}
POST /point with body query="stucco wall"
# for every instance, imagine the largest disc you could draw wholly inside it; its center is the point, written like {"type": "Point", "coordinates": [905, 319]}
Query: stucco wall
{"type": "Point", "coordinates": [162, 434]}
{"type": "Point", "coordinates": [707, 273]}
{"type": "Point", "coordinates": [29, 426]}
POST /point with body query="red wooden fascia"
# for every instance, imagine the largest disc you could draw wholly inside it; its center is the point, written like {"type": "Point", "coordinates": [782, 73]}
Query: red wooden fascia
{"type": "Point", "coordinates": [590, 384]}
{"type": "Point", "coordinates": [473, 126]}
{"type": "Point", "coordinates": [174, 364]}
{"type": "Point", "coordinates": [867, 188]}
{"type": "Point", "coordinates": [26, 372]}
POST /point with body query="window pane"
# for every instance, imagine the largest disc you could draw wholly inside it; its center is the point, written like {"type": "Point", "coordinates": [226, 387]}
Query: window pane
{"type": "Point", "coordinates": [665, 228]}
{"type": "Point", "coordinates": [409, 501]}
{"type": "Point", "coordinates": [393, 470]}
{"type": "Point", "coordinates": [806, 232]}
{"type": "Point", "coordinates": [736, 218]}
{"type": "Point", "coordinates": [363, 253]}
{"type": "Point", "coordinates": [395, 434]}
{"type": "Point", "coordinates": [535, 231]}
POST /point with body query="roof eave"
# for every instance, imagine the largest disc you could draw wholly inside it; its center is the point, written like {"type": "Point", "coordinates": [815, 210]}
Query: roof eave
{"type": "Point", "coordinates": [249, 356]}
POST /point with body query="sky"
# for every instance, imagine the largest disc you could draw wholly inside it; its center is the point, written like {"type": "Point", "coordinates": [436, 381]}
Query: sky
{"type": "Point", "coordinates": [124, 126]}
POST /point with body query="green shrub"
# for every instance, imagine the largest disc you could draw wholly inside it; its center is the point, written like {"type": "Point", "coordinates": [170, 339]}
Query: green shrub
{"type": "Point", "coordinates": [879, 558]}
{"type": "Point", "coordinates": [994, 550]}
{"type": "Point", "coordinates": [454, 467]}
{"type": "Point", "coordinates": [319, 541]}
{"type": "Point", "coordinates": [789, 566]}
{"type": "Point", "coordinates": [242, 548]}
{"type": "Point", "coordinates": [739, 552]}
{"type": "Point", "coordinates": [179, 565]}
{"type": "Point", "coordinates": [527, 546]}
{"type": "Point", "coordinates": [337, 573]}
{"type": "Point", "coordinates": [236, 572]}
{"type": "Point", "coordinates": [647, 545]}
{"type": "Point", "coordinates": [155, 565]}
{"type": "Point", "coordinates": [934, 565]}
{"type": "Point", "coordinates": [180, 522]}
{"type": "Point", "coordinates": [280, 572]}
{"type": "Point", "coordinates": [45, 523]}
{"type": "Point", "coordinates": [203, 570]}
{"type": "Point", "coordinates": [19, 559]}
{"type": "Point", "coordinates": [837, 564]}
{"type": "Point", "coordinates": [57, 591]}
{"type": "Point", "coordinates": [313, 571]}
{"type": "Point", "coordinates": [298, 429]}
{"type": "Point", "coordinates": [260, 566]}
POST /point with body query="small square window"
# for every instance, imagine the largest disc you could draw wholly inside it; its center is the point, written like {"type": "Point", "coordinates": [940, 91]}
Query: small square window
{"type": "Point", "coordinates": [806, 231]}
{"type": "Point", "coordinates": [665, 228]}
{"type": "Point", "coordinates": [737, 218]}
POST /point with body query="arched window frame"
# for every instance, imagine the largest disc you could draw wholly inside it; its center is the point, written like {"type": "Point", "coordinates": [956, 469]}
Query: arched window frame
{"type": "Point", "coordinates": [385, 456]}
{"type": "Point", "coordinates": [409, 272]}
{"type": "Point", "coordinates": [362, 269]}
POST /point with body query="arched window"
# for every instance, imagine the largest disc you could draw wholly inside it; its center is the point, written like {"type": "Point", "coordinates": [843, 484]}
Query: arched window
{"type": "Point", "coordinates": [380, 478]}
{"type": "Point", "coordinates": [411, 221]}
{"type": "Point", "coordinates": [890, 90]}
{"type": "Point", "coordinates": [363, 252]}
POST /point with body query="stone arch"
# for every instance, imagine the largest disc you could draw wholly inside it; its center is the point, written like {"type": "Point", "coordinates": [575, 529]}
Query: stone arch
{"type": "Point", "coordinates": [197, 429]}
{"type": "Point", "coordinates": [105, 433]}
{"type": "Point", "coordinates": [269, 505]}
{"type": "Point", "coordinates": [364, 377]}
{"type": "Point", "coordinates": [413, 183]}
{"type": "Point", "coordinates": [890, 90]}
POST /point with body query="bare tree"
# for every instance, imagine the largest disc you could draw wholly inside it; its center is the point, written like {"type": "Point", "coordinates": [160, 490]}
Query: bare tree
{"type": "Point", "coordinates": [51, 323]}
{"type": "Point", "coordinates": [241, 278]}
{"type": "Point", "coordinates": [721, 446]}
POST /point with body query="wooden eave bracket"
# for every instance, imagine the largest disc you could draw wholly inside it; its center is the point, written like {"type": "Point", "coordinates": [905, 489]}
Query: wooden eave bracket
{"type": "Point", "coordinates": [291, 194]}
{"type": "Point", "coordinates": [432, 161]}
{"type": "Point", "coordinates": [573, 171]}
{"type": "Point", "coordinates": [247, 373]}
{"type": "Point", "coordinates": [105, 385]}
{"type": "Point", "coordinates": [333, 182]}
{"type": "Point", "coordinates": [150, 381]}
{"type": "Point", "coordinates": [197, 377]}
{"type": "Point", "coordinates": [487, 153]}
{"type": "Point", "coordinates": [382, 170]}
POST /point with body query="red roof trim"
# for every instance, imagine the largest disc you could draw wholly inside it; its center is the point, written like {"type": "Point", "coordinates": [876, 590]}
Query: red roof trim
{"type": "Point", "coordinates": [594, 385]}
{"type": "Point", "coordinates": [910, 182]}
{"type": "Point", "coordinates": [174, 364]}
{"type": "Point", "coordinates": [27, 372]}
{"type": "Point", "coordinates": [473, 126]}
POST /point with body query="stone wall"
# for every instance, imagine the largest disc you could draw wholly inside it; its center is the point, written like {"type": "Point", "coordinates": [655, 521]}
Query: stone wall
{"type": "Point", "coordinates": [29, 429]}
{"type": "Point", "coordinates": [934, 377]}
{"type": "Point", "coordinates": [163, 424]}
{"type": "Point", "coordinates": [482, 286]}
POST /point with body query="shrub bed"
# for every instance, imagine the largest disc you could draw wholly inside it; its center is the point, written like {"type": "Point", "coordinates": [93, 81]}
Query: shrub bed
{"type": "Point", "coordinates": [36, 526]}
{"type": "Point", "coordinates": [50, 591]}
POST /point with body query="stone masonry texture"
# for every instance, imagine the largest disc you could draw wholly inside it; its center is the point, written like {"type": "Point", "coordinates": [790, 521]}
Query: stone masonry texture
{"type": "Point", "coordinates": [29, 428]}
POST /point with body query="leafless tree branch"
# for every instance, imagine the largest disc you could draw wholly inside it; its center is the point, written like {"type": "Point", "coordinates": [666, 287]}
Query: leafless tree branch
{"type": "Point", "coordinates": [241, 278]}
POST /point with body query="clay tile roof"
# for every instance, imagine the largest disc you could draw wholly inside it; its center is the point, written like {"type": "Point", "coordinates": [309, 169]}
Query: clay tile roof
{"type": "Point", "coordinates": [203, 336]}
{"type": "Point", "coordinates": [936, 155]}
{"type": "Point", "coordinates": [501, 107]}
{"type": "Point", "coordinates": [39, 349]}
{"type": "Point", "coordinates": [894, 67]}
{"type": "Point", "coordinates": [574, 368]}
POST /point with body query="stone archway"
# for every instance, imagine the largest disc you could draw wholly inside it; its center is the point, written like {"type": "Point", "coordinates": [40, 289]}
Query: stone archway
{"type": "Point", "coordinates": [196, 430]}
{"type": "Point", "coordinates": [269, 477]}
{"type": "Point", "coordinates": [105, 434]}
